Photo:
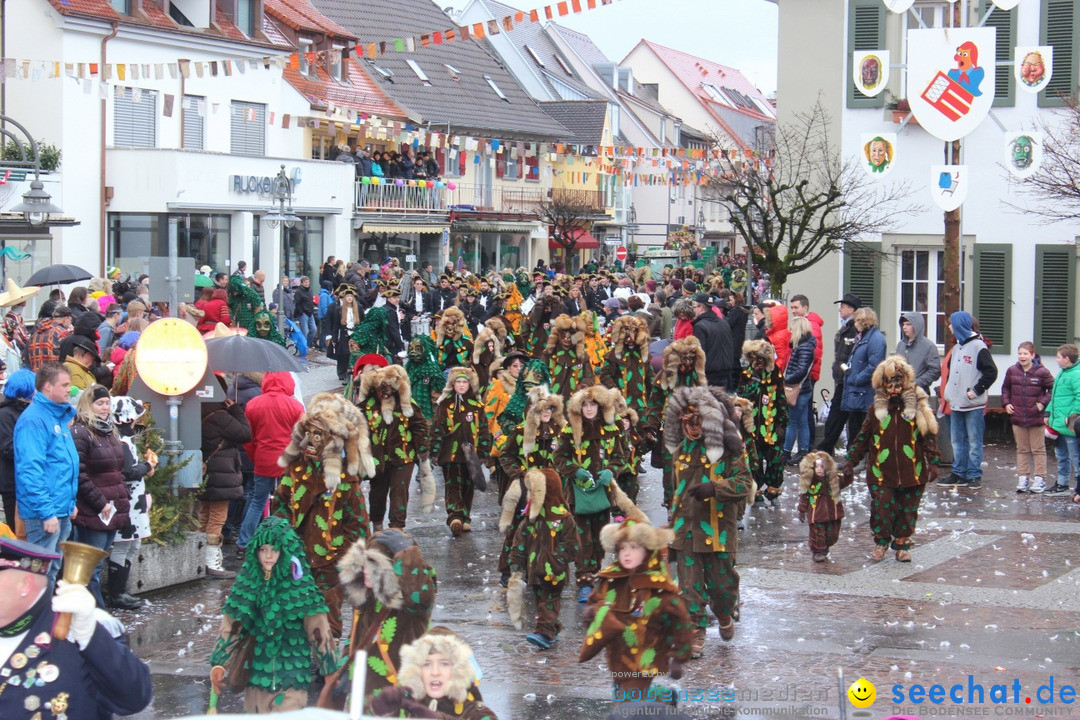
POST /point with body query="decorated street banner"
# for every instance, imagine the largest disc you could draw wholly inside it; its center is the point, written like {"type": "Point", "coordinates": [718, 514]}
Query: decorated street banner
{"type": "Point", "coordinates": [1023, 153]}
{"type": "Point", "coordinates": [870, 71]}
{"type": "Point", "coordinates": [878, 154]}
{"type": "Point", "coordinates": [951, 78]}
{"type": "Point", "coordinates": [949, 185]}
{"type": "Point", "coordinates": [1034, 66]}
{"type": "Point", "coordinates": [899, 6]}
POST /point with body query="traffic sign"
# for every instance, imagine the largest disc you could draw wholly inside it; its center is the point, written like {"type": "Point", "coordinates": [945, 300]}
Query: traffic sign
{"type": "Point", "coordinates": [620, 253]}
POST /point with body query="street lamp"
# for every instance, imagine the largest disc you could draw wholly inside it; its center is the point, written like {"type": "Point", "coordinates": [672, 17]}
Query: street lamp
{"type": "Point", "coordinates": [632, 228]}
{"type": "Point", "coordinates": [37, 205]}
{"type": "Point", "coordinates": [700, 227]}
{"type": "Point", "coordinates": [282, 214]}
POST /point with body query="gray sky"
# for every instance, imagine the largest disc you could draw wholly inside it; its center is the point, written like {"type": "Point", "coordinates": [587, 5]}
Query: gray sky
{"type": "Point", "coordinates": [739, 33]}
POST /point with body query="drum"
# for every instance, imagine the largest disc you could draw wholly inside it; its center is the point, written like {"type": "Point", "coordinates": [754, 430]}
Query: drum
{"type": "Point", "coordinates": [421, 324]}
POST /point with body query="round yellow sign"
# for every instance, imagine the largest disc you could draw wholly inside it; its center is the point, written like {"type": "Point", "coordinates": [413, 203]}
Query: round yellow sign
{"type": "Point", "coordinates": [170, 356]}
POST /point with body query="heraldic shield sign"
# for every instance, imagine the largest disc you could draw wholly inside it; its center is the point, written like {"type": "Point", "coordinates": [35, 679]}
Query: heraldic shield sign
{"type": "Point", "coordinates": [949, 185]}
{"type": "Point", "coordinates": [951, 74]}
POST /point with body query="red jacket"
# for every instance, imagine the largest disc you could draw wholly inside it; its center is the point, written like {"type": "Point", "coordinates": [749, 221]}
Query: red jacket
{"type": "Point", "coordinates": [779, 335]}
{"type": "Point", "coordinates": [816, 324]}
{"type": "Point", "coordinates": [217, 311]}
{"type": "Point", "coordinates": [272, 416]}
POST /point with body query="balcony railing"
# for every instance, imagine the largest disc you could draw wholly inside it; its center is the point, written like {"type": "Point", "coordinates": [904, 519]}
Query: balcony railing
{"type": "Point", "coordinates": [387, 197]}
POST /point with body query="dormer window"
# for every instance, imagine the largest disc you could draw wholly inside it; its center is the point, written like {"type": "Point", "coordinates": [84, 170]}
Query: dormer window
{"type": "Point", "coordinates": [121, 6]}
{"type": "Point", "coordinates": [246, 16]}
{"type": "Point", "coordinates": [337, 61]}
{"type": "Point", "coordinates": [495, 87]}
{"type": "Point", "coordinates": [419, 72]}
{"type": "Point", "coordinates": [305, 48]}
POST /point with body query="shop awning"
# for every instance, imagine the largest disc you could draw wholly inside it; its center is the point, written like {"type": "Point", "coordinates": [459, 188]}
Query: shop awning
{"type": "Point", "coordinates": [495, 226]}
{"type": "Point", "coordinates": [404, 227]}
{"type": "Point", "coordinates": [585, 240]}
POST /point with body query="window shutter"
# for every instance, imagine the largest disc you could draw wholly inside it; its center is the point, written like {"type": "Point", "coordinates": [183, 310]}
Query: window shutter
{"type": "Point", "coordinates": [1060, 28]}
{"type": "Point", "coordinates": [993, 292]}
{"type": "Point", "coordinates": [1055, 296]}
{"type": "Point", "coordinates": [1004, 22]}
{"type": "Point", "coordinates": [248, 133]}
{"type": "Point", "coordinates": [135, 123]}
{"type": "Point", "coordinates": [862, 272]}
{"type": "Point", "coordinates": [866, 31]}
{"type": "Point", "coordinates": [193, 124]}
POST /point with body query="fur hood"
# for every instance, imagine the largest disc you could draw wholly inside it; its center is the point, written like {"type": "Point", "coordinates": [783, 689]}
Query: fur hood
{"type": "Point", "coordinates": [635, 529]}
{"type": "Point", "coordinates": [637, 326]}
{"type": "Point", "coordinates": [451, 325]}
{"type": "Point", "coordinates": [599, 395]}
{"type": "Point", "coordinates": [806, 473]}
{"type": "Point", "coordinates": [752, 349]}
{"type": "Point", "coordinates": [500, 326]}
{"type": "Point", "coordinates": [669, 369]}
{"type": "Point", "coordinates": [915, 401]}
{"type": "Point", "coordinates": [377, 557]}
{"type": "Point", "coordinates": [747, 408]}
{"type": "Point", "coordinates": [543, 489]}
{"type": "Point", "coordinates": [398, 377]}
{"type": "Point", "coordinates": [540, 398]}
{"type": "Point", "coordinates": [622, 410]}
{"type": "Point", "coordinates": [346, 431]}
{"type": "Point", "coordinates": [474, 382]}
{"type": "Point", "coordinates": [719, 432]}
{"type": "Point", "coordinates": [443, 641]}
{"type": "Point", "coordinates": [576, 326]}
{"type": "Point", "coordinates": [480, 345]}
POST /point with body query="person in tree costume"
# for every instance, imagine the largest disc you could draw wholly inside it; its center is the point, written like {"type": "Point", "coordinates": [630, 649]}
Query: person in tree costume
{"type": "Point", "coordinates": [459, 423]}
{"type": "Point", "coordinates": [568, 365]}
{"type": "Point", "coordinates": [274, 620]}
{"type": "Point", "coordinates": [264, 328]}
{"type": "Point", "coordinates": [438, 680]}
{"type": "Point", "coordinates": [899, 441]}
{"type": "Point", "coordinates": [762, 383]}
{"type": "Point", "coordinates": [542, 547]}
{"type": "Point", "coordinates": [453, 340]}
{"type": "Point", "coordinates": [487, 350]}
{"type": "Point", "coordinates": [323, 501]}
{"type": "Point", "coordinates": [819, 501]}
{"type": "Point", "coordinates": [635, 613]}
{"type": "Point", "coordinates": [425, 374]}
{"type": "Point", "coordinates": [595, 343]}
{"type": "Point", "coordinates": [392, 590]}
{"type": "Point", "coordinates": [399, 441]}
{"type": "Point", "coordinates": [590, 455]}
{"type": "Point", "coordinates": [541, 318]}
{"type": "Point", "coordinates": [369, 336]}
{"type": "Point", "coordinates": [627, 367]}
{"type": "Point", "coordinates": [711, 479]}
{"type": "Point", "coordinates": [682, 365]}
{"type": "Point", "coordinates": [243, 302]}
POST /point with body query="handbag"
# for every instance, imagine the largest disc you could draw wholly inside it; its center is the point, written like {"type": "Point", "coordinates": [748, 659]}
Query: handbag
{"type": "Point", "coordinates": [475, 467]}
{"type": "Point", "coordinates": [590, 501]}
{"type": "Point", "coordinates": [791, 393]}
{"type": "Point", "coordinates": [238, 668]}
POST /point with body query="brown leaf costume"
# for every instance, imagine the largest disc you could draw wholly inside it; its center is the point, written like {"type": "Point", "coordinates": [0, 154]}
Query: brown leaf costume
{"type": "Point", "coordinates": [819, 501]}
{"type": "Point", "coordinates": [762, 383]}
{"type": "Point", "coordinates": [627, 368]}
{"type": "Point", "coordinates": [568, 364]}
{"type": "Point", "coordinates": [459, 421]}
{"type": "Point", "coordinates": [454, 346]}
{"type": "Point", "coordinates": [484, 357]}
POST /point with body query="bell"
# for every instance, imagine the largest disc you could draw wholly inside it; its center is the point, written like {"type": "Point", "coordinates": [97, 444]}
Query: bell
{"type": "Point", "coordinates": [80, 560]}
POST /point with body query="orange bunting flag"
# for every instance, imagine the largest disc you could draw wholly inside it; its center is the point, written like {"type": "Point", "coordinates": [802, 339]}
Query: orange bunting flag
{"type": "Point", "coordinates": [576, 4]}
{"type": "Point", "coordinates": [478, 30]}
{"type": "Point", "coordinates": [563, 8]}
{"type": "Point", "coordinates": [534, 16]}
{"type": "Point", "coordinates": [508, 23]}
{"type": "Point", "coordinates": [547, 11]}
{"type": "Point", "coordinates": [519, 16]}
{"type": "Point", "coordinates": [372, 50]}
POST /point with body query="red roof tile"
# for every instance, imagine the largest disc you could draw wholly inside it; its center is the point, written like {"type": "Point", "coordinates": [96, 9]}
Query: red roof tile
{"type": "Point", "coordinates": [301, 15]}
{"type": "Point", "coordinates": [359, 94]}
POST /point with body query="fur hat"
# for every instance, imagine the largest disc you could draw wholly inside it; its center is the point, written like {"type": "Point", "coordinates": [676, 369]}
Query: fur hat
{"type": "Point", "coordinates": [540, 399]}
{"type": "Point", "coordinates": [747, 408]}
{"type": "Point", "coordinates": [374, 559]}
{"type": "Point", "coordinates": [599, 395]}
{"type": "Point", "coordinates": [452, 319]}
{"type": "Point", "coordinates": [455, 372]}
{"type": "Point", "coordinates": [806, 472]}
{"type": "Point", "coordinates": [345, 428]}
{"type": "Point", "coordinates": [916, 403]}
{"type": "Point", "coordinates": [398, 378]}
{"type": "Point", "coordinates": [501, 327]}
{"type": "Point", "coordinates": [635, 529]}
{"type": "Point", "coordinates": [760, 349]}
{"type": "Point", "coordinates": [566, 324]}
{"type": "Point", "coordinates": [480, 344]}
{"type": "Point", "coordinates": [443, 641]}
{"type": "Point", "coordinates": [673, 354]}
{"type": "Point", "coordinates": [622, 409]}
{"type": "Point", "coordinates": [719, 432]}
{"type": "Point", "coordinates": [637, 326]}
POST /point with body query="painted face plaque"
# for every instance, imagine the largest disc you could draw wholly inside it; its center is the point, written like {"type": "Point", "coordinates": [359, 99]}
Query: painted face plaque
{"type": "Point", "coordinates": [878, 154]}
{"type": "Point", "coordinates": [951, 76]}
{"type": "Point", "coordinates": [949, 185]}
{"type": "Point", "coordinates": [1033, 67]}
{"type": "Point", "coordinates": [1023, 153]}
{"type": "Point", "coordinates": [870, 71]}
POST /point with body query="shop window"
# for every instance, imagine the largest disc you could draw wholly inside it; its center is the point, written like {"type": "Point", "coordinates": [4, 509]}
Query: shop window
{"type": "Point", "coordinates": [133, 237]}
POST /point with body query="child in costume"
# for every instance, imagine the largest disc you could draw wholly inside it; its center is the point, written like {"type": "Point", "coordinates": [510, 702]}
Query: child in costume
{"type": "Point", "coordinates": [438, 680]}
{"type": "Point", "coordinates": [274, 618]}
{"type": "Point", "coordinates": [453, 340]}
{"type": "Point", "coordinates": [899, 441]}
{"type": "Point", "coordinates": [762, 384]}
{"type": "Point", "coordinates": [568, 364]}
{"type": "Point", "coordinates": [711, 478]}
{"type": "Point", "coordinates": [819, 501]}
{"type": "Point", "coordinates": [504, 381]}
{"type": "Point", "coordinates": [544, 545]}
{"type": "Point", "coordinates": [459, 423]}
{"type": "Point", "coordinates": [636, 614]}
{"type": "Point", "coordinates": [487, 350]}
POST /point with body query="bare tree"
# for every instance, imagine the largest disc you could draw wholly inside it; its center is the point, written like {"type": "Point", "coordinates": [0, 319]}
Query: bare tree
{"type": "Point", "coordinates": [802, 201]}
{"type": "Point", "coordinates": [566, 214]}
{"type": "Point", "coordinates": [1054, 191]}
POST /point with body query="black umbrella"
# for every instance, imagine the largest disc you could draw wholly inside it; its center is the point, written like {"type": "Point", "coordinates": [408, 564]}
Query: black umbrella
{"type": "Point", "coordinates": [58, 275]}
{"type": "Point", "coordinates": [240, 353]}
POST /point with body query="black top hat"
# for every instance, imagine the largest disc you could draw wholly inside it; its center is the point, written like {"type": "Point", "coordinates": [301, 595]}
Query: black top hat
{"type": "Point", "coordinates": [850, 299]}
{"type": "Point", "coordinates": [25, 556]}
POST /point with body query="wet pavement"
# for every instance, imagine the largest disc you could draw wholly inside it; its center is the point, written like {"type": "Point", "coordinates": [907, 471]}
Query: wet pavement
{"type": "Point", "coordinates": [992, 592]}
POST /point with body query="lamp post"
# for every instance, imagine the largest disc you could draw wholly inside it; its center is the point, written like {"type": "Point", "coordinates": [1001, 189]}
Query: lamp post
{"type": "Point", "coordinates": [632, 228]}
{"type": "Point", "coordinates": [281, 214]}
{"type": "Point", "coordinates": [37, 205]}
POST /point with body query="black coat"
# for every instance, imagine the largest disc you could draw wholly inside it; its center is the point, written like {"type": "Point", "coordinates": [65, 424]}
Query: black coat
{"type": "Point", "coordinates": [303, 304]}
{"type": "Point", "coordinates": [736, 319]}
{"type": "Point", "coordinates": [224, 430]}
{"type": "Point", "coordinates": [395, 340]}
{"type": "Point", "coordinates": [240, 392]}
{"type": "Point", "coordinates": [101, 478]}
{"type": "Point", "coordinates": [574, 307]}
{"type": "Point", "coordinates": [843, 344]}
{"type": "Point", "coordinates": [10, 410]}
{"type": "Point", "coordinates": [715, 338]}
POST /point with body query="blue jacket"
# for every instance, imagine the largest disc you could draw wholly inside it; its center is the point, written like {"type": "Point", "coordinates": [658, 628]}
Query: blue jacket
{"type": "Point", "coordinates": [800, 363]}
{"type": "Point", "coordinates": [868, 353]}
{"type": "Point", "coordinates": [326, 299]}
{"type": "Point", "coordinates": [46, 462]}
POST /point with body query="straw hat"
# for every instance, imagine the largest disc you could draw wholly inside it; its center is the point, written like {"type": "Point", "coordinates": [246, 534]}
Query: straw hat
{"type": "Point", "coordinates": [15, 295]}
{"type": "Point", "coordinates": [221, 330]}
